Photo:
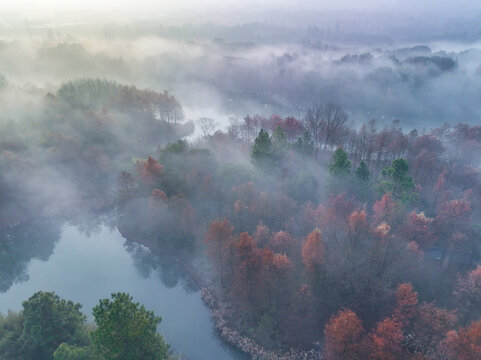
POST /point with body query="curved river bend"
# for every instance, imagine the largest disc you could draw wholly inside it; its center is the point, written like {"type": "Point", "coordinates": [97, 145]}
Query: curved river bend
{"type": "Point", "coordinates": [85, 269]}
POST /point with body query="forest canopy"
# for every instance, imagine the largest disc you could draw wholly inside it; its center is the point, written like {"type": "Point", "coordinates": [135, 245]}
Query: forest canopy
{"type": "Point", "coordinates": [310, 179]}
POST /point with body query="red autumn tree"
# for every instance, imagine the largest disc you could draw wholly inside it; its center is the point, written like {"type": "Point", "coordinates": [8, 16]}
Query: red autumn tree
{"type": "Point", "coordinates": [148, 170]}
{"type": "Point", "coordinates": [282, 264]}
{"type": "Point", "coordinates": [262, 279]}
{"type": "Point", "coordinates": [246, 205]}
{"type": "Point", "coordinates": [385, 341]}
{"type": "Point", "coordinates": [282, 242]}
{"type": "Point", "coordinates": [452, 223]}
{"type": "Point", "coordinates": [261, 235]}
{"type": "Point", "coordinates": [430, 143]}
{"type": "Point", "coordinates": [468, 293]}
{"type": "Point", "coordinates": [313, 250]}
{"type": "Point", "coordinates": [217, 238]}
{"type": "Point", "coordinates": [248, 273]}
{"type": "Point", "coordinates": [387, 210]}
{"type": "Point", "coordinates": [453, 217]}
{"type": "Point", "coordinates": [418, 228]}
{"type": "Point", "coordinates": [312, 216]}
{"type": "Point", "coordinates": [292, 127]}
{"type": "Point", "coordinates": [343, 337]}
{"type": "Point", "coordinates": [339, 208]}
{"type": "Point", "coordinates": [280, 282]}
{"type": "Point", "coordinates": [464, 344]}
{"type": "Point", "coordinates": [426, 167]}
{"type": "Point", "coordinates": [246, 246]}
{"type": "Point", "coordinates": [358, 228]}
{"type": "Point", "coordinates": [158, 196]}
{"type": "Point", "coordinates": [313, 257]}
{"type": "Point", "coordinates": [429, 327]}
{"type": "Point", "coordinates": [406, 302]}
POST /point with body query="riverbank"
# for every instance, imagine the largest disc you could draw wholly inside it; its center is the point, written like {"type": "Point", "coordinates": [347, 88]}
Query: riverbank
{"type": "Point", "coordinates": [247, 345]}
{"type": "Point", "coordinates": [226, 332]}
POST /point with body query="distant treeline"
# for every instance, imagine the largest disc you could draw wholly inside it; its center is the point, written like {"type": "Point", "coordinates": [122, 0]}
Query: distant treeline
{"type": "Point", "coordinates": [65, 148]}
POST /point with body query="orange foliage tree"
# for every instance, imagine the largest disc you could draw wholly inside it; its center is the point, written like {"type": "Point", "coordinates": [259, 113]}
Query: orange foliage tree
{"type": "Point", "coordinates": [406, 302]}
{"type": "Point", "coordinates": [385, 341]}
{"type": "Point", "coordinates": [468, 292]}
{"type": "Point", "coordinates": [464, 344]}
{"type": "Point", "coordinates": [343, 337]}
{"type": "Point", "coordinates": [218, 237]}
{"type": "Point", "coordinates": [313, 257]}
{"type": "Point", "coordinates": [149, 170]}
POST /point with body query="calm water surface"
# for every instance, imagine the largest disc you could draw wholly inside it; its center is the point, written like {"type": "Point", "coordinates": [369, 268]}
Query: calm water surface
{"type": "Point", "coordinates": [87, 268]}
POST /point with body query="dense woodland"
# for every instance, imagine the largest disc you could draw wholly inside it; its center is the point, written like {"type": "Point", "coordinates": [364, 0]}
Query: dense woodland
{"type": "Point", "coordinates": [60, 150]}
{"type": "Point", "coordinates": [309, 184]}
{"type": "Point", "coordinates": [360, 239]}
{"type": "Point", "coordinates": [365, 239]}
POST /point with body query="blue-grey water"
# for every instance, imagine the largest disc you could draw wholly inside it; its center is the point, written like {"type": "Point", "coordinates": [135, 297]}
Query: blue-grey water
{"type": "Point", "coordinates": [87, 268]}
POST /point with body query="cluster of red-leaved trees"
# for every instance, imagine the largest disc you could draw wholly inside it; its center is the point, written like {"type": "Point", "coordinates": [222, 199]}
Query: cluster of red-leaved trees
{"type": "Point", "coordinates": [364, 239]}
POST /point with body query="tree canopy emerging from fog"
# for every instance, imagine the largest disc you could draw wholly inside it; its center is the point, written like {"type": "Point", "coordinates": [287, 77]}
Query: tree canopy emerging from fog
{"type": "Point", "coordinates": [314, 230]}
{"type": "Point", "coordinates": [50, 321]}
{"type": "Point", "coordinates": [126, 330]}
{"type": "Point", "coordinates": [340, 165]}
{"type": "Point", "coordinates": [262, 150]}
{"type": "Point", "coordinates": [53, 328]}
{"type": "Point", "coordinates": [89, 93]}
{"type": "Point", "coordinates": [362, 171]}
{"type": "Point", "coordinates": [397, 181]}
{"type": "Point", "coordinates": [340, 242]}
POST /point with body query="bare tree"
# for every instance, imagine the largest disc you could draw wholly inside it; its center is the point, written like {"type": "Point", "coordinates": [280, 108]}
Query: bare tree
{"type": "Point", "coordinates": [313, 124]}
{"type": "Point", "coordinates": [207, 125]}
{"type": "Point", "coordinates": [326, 125]}
{"type": "Point", "coordinates": [334, 119]}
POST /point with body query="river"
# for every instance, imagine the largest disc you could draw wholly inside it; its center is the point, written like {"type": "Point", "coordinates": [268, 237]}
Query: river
{"type": "Point", "coordinates": [85, 268]}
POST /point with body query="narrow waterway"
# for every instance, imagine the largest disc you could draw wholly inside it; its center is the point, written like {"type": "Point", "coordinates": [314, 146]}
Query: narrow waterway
{"type": "Point", "coordinates": [86, 268]}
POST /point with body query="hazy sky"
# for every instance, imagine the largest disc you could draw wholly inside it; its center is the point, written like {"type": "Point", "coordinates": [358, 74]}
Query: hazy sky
{"type": "Point", "coordinates": [178, 4]}
{"type": "Point", "coordinates": [54, 10]}
{"type": "Point", "coordinates": [60, 5]}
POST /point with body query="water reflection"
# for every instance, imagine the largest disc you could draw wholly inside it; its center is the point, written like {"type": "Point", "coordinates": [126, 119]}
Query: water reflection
{"type": "Point", "coordinates": [165, 267]}
{"type": "Point", "coordinates": [22, 243]}
{"type": "Point", "coordinates": [87, 263]}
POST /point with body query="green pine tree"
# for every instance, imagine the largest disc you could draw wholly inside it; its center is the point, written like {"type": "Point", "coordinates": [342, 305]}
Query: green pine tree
{"type": "Point", "coordinates": [340, 165]}
{"type": "Point", "coordinates": [262, 150]}
{"type": "Point", "coordinates": [362, 172]}
{"type": "Point", "coordinates": [395, 180]}
{"type": "Point", "coordinates": [304, 145]}
{"type": "Point", "coordinates": [126, 330]}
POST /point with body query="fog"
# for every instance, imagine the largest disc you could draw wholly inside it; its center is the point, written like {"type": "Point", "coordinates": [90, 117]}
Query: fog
{"type": "Point", "coordinates": [294, 160]}
{"type": "Point", "coordinates": [150, 5]}
{"type": "Point", "coordinates": [222, 71]}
